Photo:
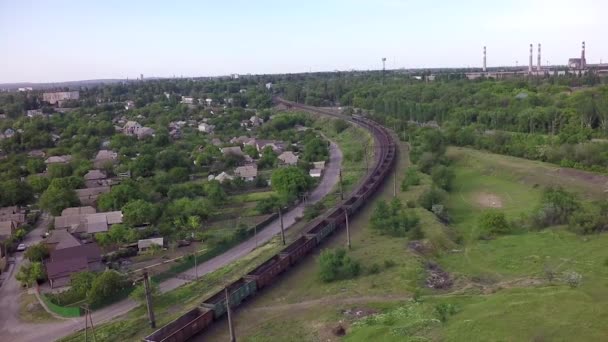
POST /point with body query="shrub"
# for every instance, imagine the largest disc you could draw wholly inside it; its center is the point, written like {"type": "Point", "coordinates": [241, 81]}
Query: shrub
{"type": "Point", "coordinates": [431, 197]}
{"type": "Point", "coordinates": [411, 178]}
{"type": "Point", "coordinates": [492, 222]}
{"type": "Point", "coordinates": [573, 279]}
{"type": "Point", "coordinates": [374, 269]}
{"type": "Point", "coordinates": [444, 311]}
{"type": "Point", "coordinates": [336, 265]}
{"type": "Point", "coordinates": [443, 177]}
{"type": "Point", "coordinates": [557, 207]}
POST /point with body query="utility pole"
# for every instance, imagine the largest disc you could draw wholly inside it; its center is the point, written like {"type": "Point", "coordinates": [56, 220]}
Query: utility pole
{"type": "Point", "coordinates": [195, 266]}
{"type": "Point", "coordinates": [282, 229]}
{"type": "Point", "coordinates": [88, 318]}
{"type": "Point", "coordinates": [149, 300]}
{"type": "Point", "coordinates": [347, 229]}
{"type": "Point", "coordinates": [341, 191]}
{"type": "Point", "coordinates": [229, 312]}
{"type": "Point", "coordinates": [395, 182]}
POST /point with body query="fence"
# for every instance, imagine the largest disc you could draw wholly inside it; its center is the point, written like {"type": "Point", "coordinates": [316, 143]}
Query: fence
{"type": "Point", "coordinates": [60, 310]}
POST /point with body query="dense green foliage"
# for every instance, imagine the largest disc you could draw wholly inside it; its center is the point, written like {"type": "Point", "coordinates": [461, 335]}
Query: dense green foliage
{"type": "Point", "coordinates": [393, 219]}
{"type": "Point", "coordinates": [337, 265]}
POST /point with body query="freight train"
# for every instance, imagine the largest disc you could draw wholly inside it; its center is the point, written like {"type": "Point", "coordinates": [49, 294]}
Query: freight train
{"type": "Point", "coordinates": [198, 319]}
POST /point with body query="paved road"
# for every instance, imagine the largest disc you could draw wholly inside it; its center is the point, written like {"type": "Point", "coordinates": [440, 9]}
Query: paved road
{"type": "Point", "coordinates": [18, 331]}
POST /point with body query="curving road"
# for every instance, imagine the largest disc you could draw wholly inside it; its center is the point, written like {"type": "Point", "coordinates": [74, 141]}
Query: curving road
{"type": "Point", "coordinates": [11, 329]}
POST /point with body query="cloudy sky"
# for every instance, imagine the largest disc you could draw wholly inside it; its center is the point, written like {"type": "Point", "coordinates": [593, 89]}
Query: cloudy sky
{"type": "Point", "coordinates": [60, 40]}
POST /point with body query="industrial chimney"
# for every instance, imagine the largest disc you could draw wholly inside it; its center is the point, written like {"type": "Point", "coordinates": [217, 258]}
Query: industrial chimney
{"type": "Point", "coordinates": [583, 61]}
{"type": "Point", "coordinates": [484, 59]}
{"type": "Point", "coordinates": [530, 64]}
{"type": "Point", "coordinates": [538, 57]}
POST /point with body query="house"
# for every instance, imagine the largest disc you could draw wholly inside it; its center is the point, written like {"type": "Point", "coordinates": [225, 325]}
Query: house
{"type": "Point", "coordinates": [36, 154]}
{"type": "Point", "coordinates": [243, 140]}
{"type": "Point", "coordinates": [145, 132]}
{"type": "Point", "coordinates": [89, 196]}
{"type": "Point", "coordinates": [64, 262]}
{"type": "Point", "coordinates": [216, 142]}
{"type": "Point", "coordinates": [315, 173]}
{"type": "Point", "coordinates": [222, 177]}
{"type": "Point", "coordinates": [105, 158]}
{"type": "Point", "coordinates": [247, 172]}
{"type": "Point", "coordinates": [70, 223]}
{"type": "Point", "coordinates": [7, 228]}
{"type": "Point", "coordinates": [78, 211]}
{"type": "Point", "coordinates": [9, 133]}
{"type": "Point", "coordinates": [205, 128]}
{"type": "Point", "coordinates": [277, 146]}
{"type": "Point", "coordinates": [88, 222]}
{"type": "Point", "coordinates": [35, 113]}
{"type": "Point", "coordinates": [188, 100]}
{"type": "Point", "coordinates": [319, 165]}
{"type": "Point", "coordinates": [234, 150]}
{"type": "Point", "coordinates": [60, 239]}
{"type": "Point", "coordinates": [256, 121]}
{"type": "Point", "coordinates": [131, 128]}
{"type": "Point", "coordinates": [130, 105]}
{"type": "Point", "coordinates": [15, 214]}
{"type": "Point", "coordinates": [96, 178]}
{"type": "Point", "coordinates": [208, 102]}
{"type": "Point", "coordinates": [245, 124]}
{"type": "Point", "coordinates": [288, 158]}
{"type": "Point", "coordinates": [269, 85]}
{"type": "Point", "coordinates": [145, 244]}
{"type": "Point", "coordinates": [65, 159]}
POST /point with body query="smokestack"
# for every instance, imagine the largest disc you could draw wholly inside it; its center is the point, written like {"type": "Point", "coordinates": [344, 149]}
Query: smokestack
{"type": "Point", "coordinates": [530, 64]}
{"type": "Point", "coordinates": [583, 61]}
{"type": "Point", "coordinates": [484, 59]}
{"type": "Point", "coordinates": [538, 57]}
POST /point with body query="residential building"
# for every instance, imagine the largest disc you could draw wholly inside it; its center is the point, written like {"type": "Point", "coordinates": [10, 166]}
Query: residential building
{"type": "Point", "coordinates": [188, 100]}
{"type": "Point", "coordinates": [64, 262]}
{"type": "Point", "coordinates": [243, 140]}
{"type": "Point", "coordinates": [78, 211]}
{"type": "Point", "coordinates": [89, 222]}
{"type": "Point", "coordinates": [35, 113]}
{"type": "Point", "coordinates": [59, 98]}
{"type": "Point", "coordinates": [131, 128]}
{"type": "Point", "coordinates": [288, 158]}
{"type": "Point", "coordinates": [36, 154]}
{"type": "Point", "coordinates": [208, 102]}
{"type": "Point", "coordinates": [145, 244]}
{"type": "Point", "coordinates": [315, 173]}
{"type": "Point", "coordinates": [256, 121]}
{"type": "Point", "coordinates": [60, 239]}
{"type": "Point", "coordinates": [319, 165]}
{"type": "Point", "coordinates": [105, 158]}
{"type": "Point", "coordinates": [13, 213]}
{"type": "Point", "coordinates": [216, 142]}
{"type": "Point", "coordinates": [145, 132]}
{"type": "Point", "coordinates": [96, 178]}
{"type": "Point", "coordinates": [234, 150]}
{"type": "Point", "coordinates": [7, 228]}
{"type": "Point", "coordinates": [223, 177]}
{"type": "Point", "coordinates": [65, 159]}
{"type": "Point", "coordinates": [277, 146]}
{"type": "Point", "coordinates": [247, 172]}
{"type": "Point", "coordinates": [129, 105]}
{"type": "Point", "coordinates": [89, 196]}
{"type": "Point", "coordinates": [206, 128]}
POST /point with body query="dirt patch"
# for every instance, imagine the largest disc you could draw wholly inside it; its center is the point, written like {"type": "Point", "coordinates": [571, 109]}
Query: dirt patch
{"type": "Point", "coordinates": [436, 277]}
{"type": "Point", "coordinates": [358, 313]}
{"type": "Point", "coordinates": [488, 200]}
{"type": "Point", "coordinates": [587, 177]}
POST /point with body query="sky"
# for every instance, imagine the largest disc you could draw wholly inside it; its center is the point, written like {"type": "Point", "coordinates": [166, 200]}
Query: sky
{"type": "Point", "coordinates": [63, 40]}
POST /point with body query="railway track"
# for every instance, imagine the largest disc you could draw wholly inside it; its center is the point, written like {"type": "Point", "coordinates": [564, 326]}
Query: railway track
{"type": "Point", "coordinates": [213, 308]}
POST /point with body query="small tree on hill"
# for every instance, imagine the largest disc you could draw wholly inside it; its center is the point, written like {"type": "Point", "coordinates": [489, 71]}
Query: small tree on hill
{"type": "Point", "coordinates": [493, 222]}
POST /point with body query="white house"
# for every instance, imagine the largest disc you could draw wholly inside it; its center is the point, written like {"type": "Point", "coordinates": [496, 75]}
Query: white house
{"type": "Point", "coordinates": [247, 172]}
{"type": "Point", "coordinates": [187, 100]}
{"type": "Point", "coordinates": [208, 102]}
{"type": "Point", "coordinates": [315, 173]}
{"type": "Point", "coordinates": [205, 127]}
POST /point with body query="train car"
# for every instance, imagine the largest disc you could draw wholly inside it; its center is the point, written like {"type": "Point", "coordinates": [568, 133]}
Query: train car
{"type": "Point", "coordinates": [299, 248]}
{"type": "Point", "coordinates": [237, 292]}
{"type": "Point", "coordinates": [268, 271]}
{"type": "Point", "coordinates": [338, 218]}
{"type": "Point", "coordinates": [183, 327]}
{"type": "Point", "coordinates": [322, 229]}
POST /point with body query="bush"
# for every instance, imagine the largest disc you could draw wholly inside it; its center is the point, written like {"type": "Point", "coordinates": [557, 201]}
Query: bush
{"type": "Point", "coordinates": [492, 222]}
{"type": "Point", "coordinates": [412, 178]}
{"type": "Point", "coordinates": [431, 197]}
{"type": "Point", "coordinates": [443, 177]}
{"type": "Point", "coordinates": [336, 265]}
{"type": "Point", "coordinates": [374, 269]}
{"type": "Point", "coordinates": [106, 286]}
{"type": "Point", "coordinates": [37, 252]}
{"type": "Point", "coordinates": [444, 311]}
{"type": "Point", "coordinates": [393, 219]}
{"type": "Point", "coordinates": [557, 206]}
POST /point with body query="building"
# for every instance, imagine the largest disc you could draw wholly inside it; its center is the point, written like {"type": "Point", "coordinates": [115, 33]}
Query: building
{"type": "Point", "coordinates": [59, 98]}
{"type": "Point", "coordinates": [578, 63]}
{"type": "Point", "coordinates": [256, 121]}
{"type": "Point", "coordinates": [223, 177]}
{"type": "Point", "coordinates": [234, 150]}
{"type": "Point", "coordinates": [188, 100]}
{"type": "Point", "coordinates": [248, 172]}
{"type": "Point", "coordinates": [145, 244]}
{"type": "Point", "coordinates": [145, 132]}
{"type": "Point", "coordinates": [65, 159]}
{"type": "Point", "coordinates": [131, 128]}
{"type": "Point", "coordinates": [319, 165]}
{"type": "Point", "coordinates": [64, 262]}
{"type": "Point", "coordinates": [88, 222]}
{"type": "Point", "coordinates": [276, 146]}
{"type": "Point", "coordinates": [315, 173]}
{"type": "Point", "coordinates": [206, 128]}
{"type": "Point", "coordinates": [105, 158]}
{"type": "Point", "coordinates": [60, 239]}
{"type": "Point", "coordinates": [35, 113]}
{"type": "Point", "coordinates": [89, 196]}
{"type": "Point", "coordinates": [96, 178]}
{"type": "Point", "coordinates": [269, 85]}
{"type": "Point", "coordinates": [7, 228]}
{"type": "Point", "coordinates": [15, 214]}
{"type": "Point", "coordinates": [129, 105]}
{"type": "Point", "coordinates": [23, 89]}
{"type": "Point", "coordinates": [36, 154]}
{"type": "Point", "coordinates": [208, 102]}
{"type": "Point", "coordinates": [243, 140]}
{"type": "Point", "coordinates": [78, 211]}
{"type": "Point", "coordinates": [288, 158]}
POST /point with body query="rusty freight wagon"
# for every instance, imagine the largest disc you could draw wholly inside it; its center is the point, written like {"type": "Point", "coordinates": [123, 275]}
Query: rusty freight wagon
{"type": "Point", "coordinates": [184, 327]}
{"type": "Point", "coordinates": [321, 230]}
{"type": "Point", "coordinates": [237, 292]}
{"type": "Point", "coordinates": [266, 272]}
{"type": "Point", "coordinates": [299, 248]}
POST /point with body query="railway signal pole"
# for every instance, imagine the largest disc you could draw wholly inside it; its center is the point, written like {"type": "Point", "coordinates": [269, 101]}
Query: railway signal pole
{"type": "Point", "coordinates": [282, 228]}
{"type": "Point", "coordinates": [229, 312]}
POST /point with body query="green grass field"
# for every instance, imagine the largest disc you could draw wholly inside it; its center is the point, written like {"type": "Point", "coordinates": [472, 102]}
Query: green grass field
{"type": "Point", "coordinates": [501, 289]}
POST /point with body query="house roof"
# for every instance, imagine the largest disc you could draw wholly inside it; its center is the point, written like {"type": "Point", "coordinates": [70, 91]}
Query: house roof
{"type": "Point", "coordinates": [319, 164]}
{"type": "Point", "coordinates": [7, 228]}
{"type": "Point", "coordinates": [78, 211]}
{"type": "Point", "coordinates": [64, 268]}
{"type": "Point", "coordinates": [95, 175]}
{"type": "Point", "coordinates": [61, 238]}
{"type": "Point", "coordinates": [246, 171]}
{"type": "Point", "coordinates": [90, 192]}
{"type": "Point", "coordinates": [90, 251]}
{"type": "Point", "coordinates": [10, 210]}
{"type": "Point", "coordinates": [288, 157]}
{"type": "Point", "coordinates": [145, 131]}
{"type": "Point", "coordinates": [70, 260]}
{"type": "Point", "coordinates": [103, 155]}
{"type": "Point", "coordinates": [223, 177]}
{"type": "Point", "coordinates": [145, 243]}
{"type": "Point", "coordinates": [236, 150]}
{"type": "Point", "coordinates": [132, 124]}
{"type": "Point", "coordinates": [59, 159]}
{"type": "Point", "coordinates": [315, 172]}
{"type": "Point", "coordinates": [113, 217]}
{"type": "Point", "coordinates": [69, 221]}
{"type": "Point", "coordinates": [18, 218]}
{"type": "Point", "coordinates": [96, 223]}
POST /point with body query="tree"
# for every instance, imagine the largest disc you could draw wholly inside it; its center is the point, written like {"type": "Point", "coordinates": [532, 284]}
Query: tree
{"type": "Point", "coordinates": [37, 252]}
{"type": "Point", "coordinates": [105, 286]}
{"type": "Point", "coordinates": [268, 158]}
{"type": "Point", "coordinates": [556, 207]}
{"type": "Point", "coordinates": [119, 196]}
{"type": "Point", "coordinates": [289, 182]}
{"type": "Point", "coordinates": [492, 222]}
{"type": "Point", "coordinates": [38, 183]}
{"type": "Point", "coordinates": [14, 192]}
{"type": "Point", "coordinates": [138, 212]}
{"type": "Point", "coordinates": [443, 177]}
{"type": "Point", "coordinates": [340, 125]}
{"type": "Point", "coordinates": [215, 192]}
{"type": "Point", "coordinates": [431, 197]}
{"type": "Point", "coordinates": [81, 282]}
{"type": "Point", "coordinates": [60, 170]}
{"type": "Point", "coordinates": [139, 293]}
{"type": "Point", "coordinates": [412, 178]}
{"type": "Point", "coordinates": [30, 273]}
{"type": "Point", "coordinates": [35, 165]}
{"type": "Point", "coordinates": [54, 199]}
